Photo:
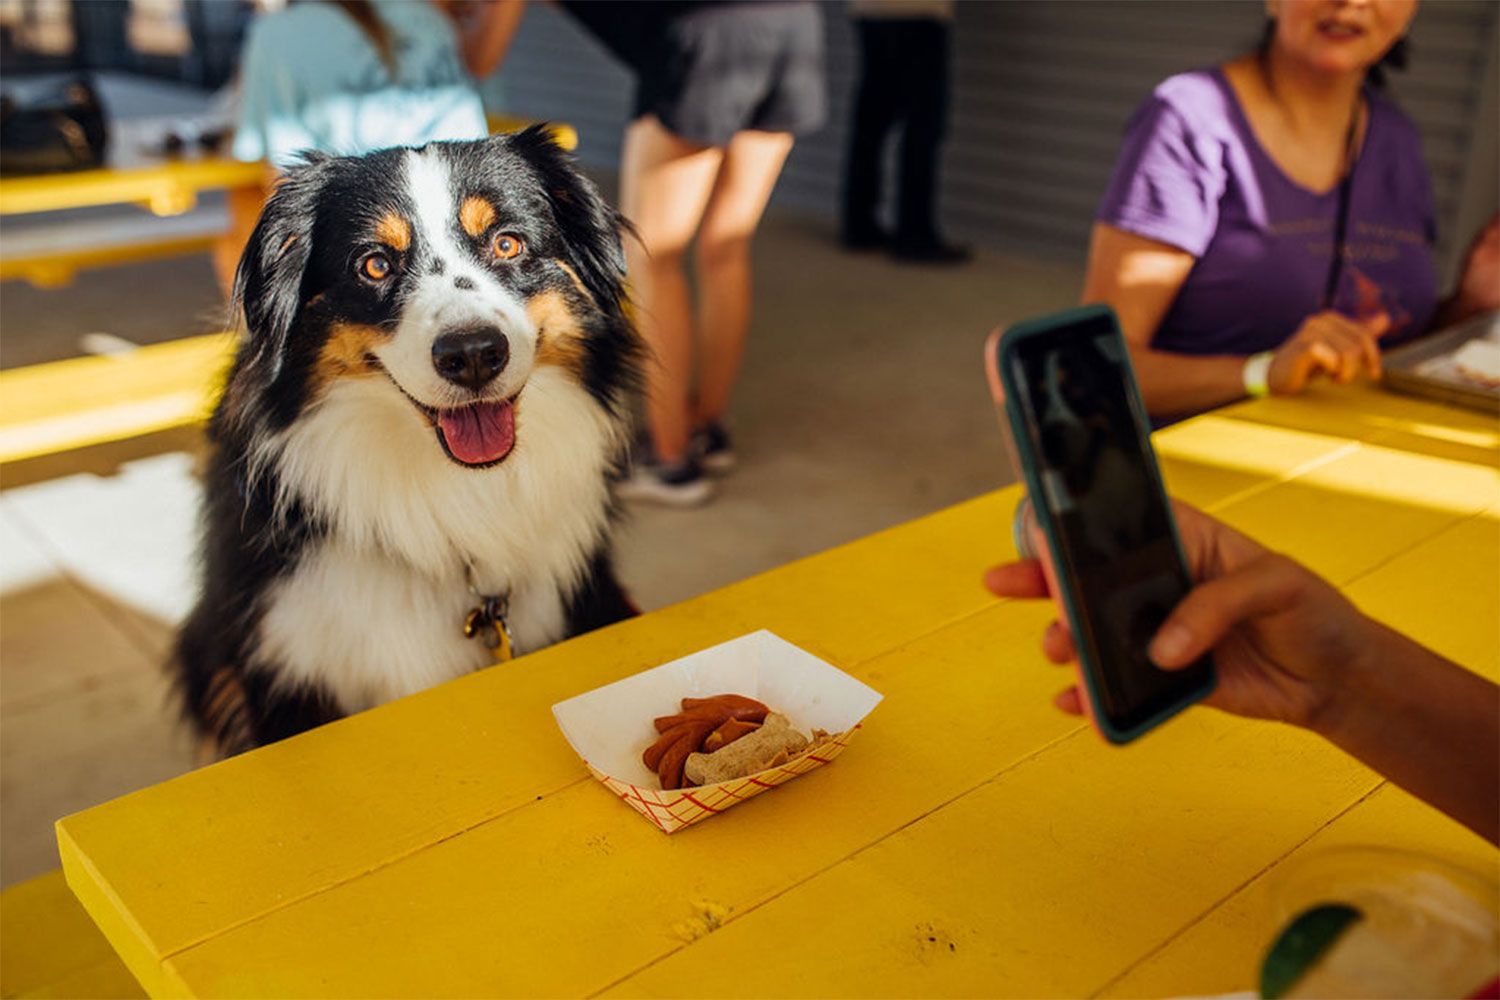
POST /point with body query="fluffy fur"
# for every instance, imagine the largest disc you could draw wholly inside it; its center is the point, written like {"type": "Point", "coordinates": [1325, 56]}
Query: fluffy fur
{"type": "Point", "coordinates": [429, 402]}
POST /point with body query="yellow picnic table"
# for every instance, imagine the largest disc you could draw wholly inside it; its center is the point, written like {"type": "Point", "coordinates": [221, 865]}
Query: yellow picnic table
{"type": "Point", "coordinates": [972, 841]}
{"type": "Point", "coordinates": [162, 186]}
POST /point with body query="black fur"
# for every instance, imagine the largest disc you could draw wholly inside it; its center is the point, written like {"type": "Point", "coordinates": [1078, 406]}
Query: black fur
{"type": "Point", "coordinates": [293, 282]}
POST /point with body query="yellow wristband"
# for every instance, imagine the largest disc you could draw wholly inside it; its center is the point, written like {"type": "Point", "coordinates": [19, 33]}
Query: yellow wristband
{"type": "Point", "coordinates": [1257, 374]}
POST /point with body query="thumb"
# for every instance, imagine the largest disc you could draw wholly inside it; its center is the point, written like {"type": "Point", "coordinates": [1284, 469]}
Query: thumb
{"type": "Point", "coordinates": [1378, 325]}
{"type": "Point", "coordinates": [1211, 610]}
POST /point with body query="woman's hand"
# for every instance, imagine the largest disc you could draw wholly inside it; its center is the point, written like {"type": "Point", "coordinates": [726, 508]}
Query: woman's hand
{"type": "Point", "coordinates": [1283, 639]}
{"type": "Point", "coordinates": [1328, 343]}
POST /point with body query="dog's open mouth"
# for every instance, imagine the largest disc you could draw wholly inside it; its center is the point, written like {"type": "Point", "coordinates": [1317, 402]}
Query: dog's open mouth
{"type": "Point", "coordinates": [479, 434]}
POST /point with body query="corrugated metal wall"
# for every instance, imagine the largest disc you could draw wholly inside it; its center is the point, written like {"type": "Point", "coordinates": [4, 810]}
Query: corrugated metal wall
{"type": "Point", "coordinates": [1042, 89]}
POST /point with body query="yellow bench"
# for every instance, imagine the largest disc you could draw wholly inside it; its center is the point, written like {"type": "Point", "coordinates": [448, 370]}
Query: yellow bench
{"type": "Point", "coordinates": [50, 948]}
{"type": "Point", "coordinates": [54, 270]}
{"type": "Point", "coordinates": [70, 404]}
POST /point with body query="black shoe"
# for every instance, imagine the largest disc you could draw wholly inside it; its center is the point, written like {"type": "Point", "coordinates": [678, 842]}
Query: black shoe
{"type": "Point", "coordinates": [862, 238]}
{"type": "Point", "coordinates": [710, 446]}
{"type": "Point", "coordinates": [931, 251]}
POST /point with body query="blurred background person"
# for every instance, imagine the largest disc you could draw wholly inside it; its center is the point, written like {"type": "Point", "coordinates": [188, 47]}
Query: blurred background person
{"type": "Point", "coordinates": [351, 76]}
{"type": "Point", "coordinates": [722, 89]}
{"type": "Point", "coordinates": [1271, 219]}
{"type": "Point", "coordinates": [904, 49]}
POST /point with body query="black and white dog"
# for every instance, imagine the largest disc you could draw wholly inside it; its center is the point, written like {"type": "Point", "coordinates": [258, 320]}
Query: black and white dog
{"type": "Point", "coordinates": [417, 438]}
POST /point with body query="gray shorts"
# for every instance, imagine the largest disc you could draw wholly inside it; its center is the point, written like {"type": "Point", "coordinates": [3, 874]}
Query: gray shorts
{"type": "Point", "coordinates": [724, 68]}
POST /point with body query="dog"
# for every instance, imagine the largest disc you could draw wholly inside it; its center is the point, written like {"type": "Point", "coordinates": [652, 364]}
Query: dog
{"type": "Point", "coordinates": [410, 467]}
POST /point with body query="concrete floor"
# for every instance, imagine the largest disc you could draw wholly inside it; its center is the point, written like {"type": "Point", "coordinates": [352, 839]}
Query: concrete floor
{"type": "Point", "coordinates": [862, 404]}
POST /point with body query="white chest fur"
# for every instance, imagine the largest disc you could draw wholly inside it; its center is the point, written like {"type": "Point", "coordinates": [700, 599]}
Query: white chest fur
{"type": "Point", "coordinates": [375, 610]}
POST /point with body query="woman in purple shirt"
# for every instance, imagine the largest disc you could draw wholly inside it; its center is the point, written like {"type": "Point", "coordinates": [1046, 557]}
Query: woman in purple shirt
{"type": "Point", "coordinates": [1215, 241]}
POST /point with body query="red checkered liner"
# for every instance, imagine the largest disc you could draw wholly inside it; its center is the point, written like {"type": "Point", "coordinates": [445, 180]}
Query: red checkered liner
{"type": "Point", "coordinates": [673, 810]}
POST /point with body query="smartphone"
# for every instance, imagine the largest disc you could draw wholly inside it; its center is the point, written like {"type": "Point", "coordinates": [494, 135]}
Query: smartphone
{"type": "Point", "coordinates": [1113, 559]}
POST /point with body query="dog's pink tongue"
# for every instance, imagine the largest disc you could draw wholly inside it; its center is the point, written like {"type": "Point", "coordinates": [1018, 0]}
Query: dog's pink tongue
{"type": "Point", "coordinates": [479, 434]}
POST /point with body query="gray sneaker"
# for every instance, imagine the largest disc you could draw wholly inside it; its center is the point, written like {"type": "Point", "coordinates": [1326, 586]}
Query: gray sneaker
{"type": "Point", "coordinates": [676, 484]}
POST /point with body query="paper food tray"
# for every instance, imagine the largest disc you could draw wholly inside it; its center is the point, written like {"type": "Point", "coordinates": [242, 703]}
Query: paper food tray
{"type": "Point", "coordinates": [610, 726]}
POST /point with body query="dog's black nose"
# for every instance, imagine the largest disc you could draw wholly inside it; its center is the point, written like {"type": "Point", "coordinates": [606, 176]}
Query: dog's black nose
{"type": "Point", "coordinates": [470, 356]}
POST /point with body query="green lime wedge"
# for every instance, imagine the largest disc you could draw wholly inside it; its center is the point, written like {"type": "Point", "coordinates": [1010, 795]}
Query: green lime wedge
{"type": "Point", "coordinates": [1301, 944]}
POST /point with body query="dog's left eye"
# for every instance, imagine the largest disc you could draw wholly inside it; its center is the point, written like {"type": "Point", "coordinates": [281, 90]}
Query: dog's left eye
{"type": "Point", "coordinates": [376, 266]}
{"type": "Point", "coordinates": [507, 245]}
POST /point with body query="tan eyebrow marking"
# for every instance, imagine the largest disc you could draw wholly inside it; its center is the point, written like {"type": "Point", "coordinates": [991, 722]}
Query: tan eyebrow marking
{"type": "Point", "coordinates": [393, 231]}
{"type": "Point", "coordinates": [476, 215]}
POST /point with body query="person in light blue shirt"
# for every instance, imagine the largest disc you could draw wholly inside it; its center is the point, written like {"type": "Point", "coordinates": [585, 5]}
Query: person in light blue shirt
{"type": "Point", "coordinates": [349, 77]}
{"type": "Point", "coordinates": [352, 77]}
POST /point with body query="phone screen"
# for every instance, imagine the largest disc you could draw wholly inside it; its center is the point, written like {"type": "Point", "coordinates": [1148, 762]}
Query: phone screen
{"type": "Point", "coordinates": [1112, 530]}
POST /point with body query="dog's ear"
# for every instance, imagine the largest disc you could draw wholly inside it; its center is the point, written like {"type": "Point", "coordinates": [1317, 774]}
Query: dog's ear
{"type": "Point", "coordinates": [591, 229]}
{"type": "Point", "coordinates": [268, 281]}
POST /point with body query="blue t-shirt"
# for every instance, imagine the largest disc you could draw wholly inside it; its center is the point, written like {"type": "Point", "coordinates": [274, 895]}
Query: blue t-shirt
{"type": "Point", "coordinates": [310, 78]}
{"type": "Point", "coordinates": [1191, 173]}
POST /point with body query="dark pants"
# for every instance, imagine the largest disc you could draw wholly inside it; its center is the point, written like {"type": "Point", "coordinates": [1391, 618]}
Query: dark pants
{"type": "Point", "coordinates": [903, 81]}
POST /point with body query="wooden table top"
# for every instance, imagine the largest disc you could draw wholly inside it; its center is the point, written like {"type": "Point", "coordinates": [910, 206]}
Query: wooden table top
{"type": "Point", "coordinates": [973, 841]}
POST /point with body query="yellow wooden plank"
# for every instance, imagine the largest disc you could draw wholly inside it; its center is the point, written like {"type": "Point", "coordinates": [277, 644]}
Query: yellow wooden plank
{"type": "Point", "coordinates": [280, 816]}
{"type": "Point", "coordinates": [81, 401]}
{"type": "Point", "coordinates": [165, 188]}
{"type": "Point", "coordinates": [1345, 516]}
{"type": "Point", "coordinates": [1212, 460]}
{"type": "Point", "coordinates": [1445, 593]}
{"type": "Point", "coordinates": [50, 948]}
{"type": "Point", "coordinates": [1365, 412]}
{"type": "Point", "coordinates": [1045, 881]}
{"type": "Point", "coordinates": [1222, 952]}
{"type": "Point", "coordinates": [51, 270]}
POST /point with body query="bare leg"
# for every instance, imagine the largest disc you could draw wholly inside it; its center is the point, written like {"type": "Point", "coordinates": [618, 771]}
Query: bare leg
{"type": "Point", "coordinates": [665, 184]}
{"type": "Point", "coordinates": [751, 165]}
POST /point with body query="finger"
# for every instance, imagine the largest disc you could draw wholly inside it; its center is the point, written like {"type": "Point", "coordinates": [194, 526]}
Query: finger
{"type": "Point", "coordinates": [1057, 643]}
{"type": "Point", "coordinates": [1069, 701]}
{"type": "Point", "coordinates": [1376, 326]}
{"type": "Point", "coordinates": [1346, 339]}
{"type": "Point", "coordinates": [1308, 359]}
{"type": "Point", "coordinates": [1208, 613]}
{"type": "Point", "coordinates": [1320, 356]}
{"type": "Point", "coordinates": [1017, 579]}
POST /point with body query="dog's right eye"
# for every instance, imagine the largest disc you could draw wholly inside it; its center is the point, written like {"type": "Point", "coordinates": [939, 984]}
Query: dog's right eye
{"type": "Point", "coordinates": [376, 267]}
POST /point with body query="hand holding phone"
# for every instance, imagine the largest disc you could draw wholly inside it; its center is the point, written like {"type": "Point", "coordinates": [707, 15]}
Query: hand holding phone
{"type": "Point", "coordinates": [1112, 557]}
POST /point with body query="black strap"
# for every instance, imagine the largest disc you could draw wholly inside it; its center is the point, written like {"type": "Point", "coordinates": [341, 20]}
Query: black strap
{"type": "Point", "coordinates": [1341, 220]}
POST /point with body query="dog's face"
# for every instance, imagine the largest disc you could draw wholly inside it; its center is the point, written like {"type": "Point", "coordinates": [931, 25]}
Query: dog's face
{"type": "Point", "coordinates": [453, 272]}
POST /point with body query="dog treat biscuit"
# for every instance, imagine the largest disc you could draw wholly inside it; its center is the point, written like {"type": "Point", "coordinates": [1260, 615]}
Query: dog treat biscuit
{"type": "Point", "coordinates": [773, 744]}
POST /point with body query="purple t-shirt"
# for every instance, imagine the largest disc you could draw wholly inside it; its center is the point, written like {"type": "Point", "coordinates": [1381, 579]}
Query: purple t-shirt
{"type": "Point", "coordinates": [1191, 173]}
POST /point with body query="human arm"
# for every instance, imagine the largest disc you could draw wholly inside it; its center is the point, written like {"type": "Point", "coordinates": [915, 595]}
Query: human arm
{"type": "Point", "coordinates": [1290, 647]}
{"type": "Point", "coordinates": [1140, 277]}
{"type": "Point", "coordinates": [1478, 283]}
{"type": "Point", "coordinates": [485, 30]}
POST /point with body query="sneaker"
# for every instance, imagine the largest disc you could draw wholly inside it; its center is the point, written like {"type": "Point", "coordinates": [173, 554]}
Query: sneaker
{"type": "Point", "coordinates": [677, 484]}
{"type": "Point", "coordinates": [710, 446]}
